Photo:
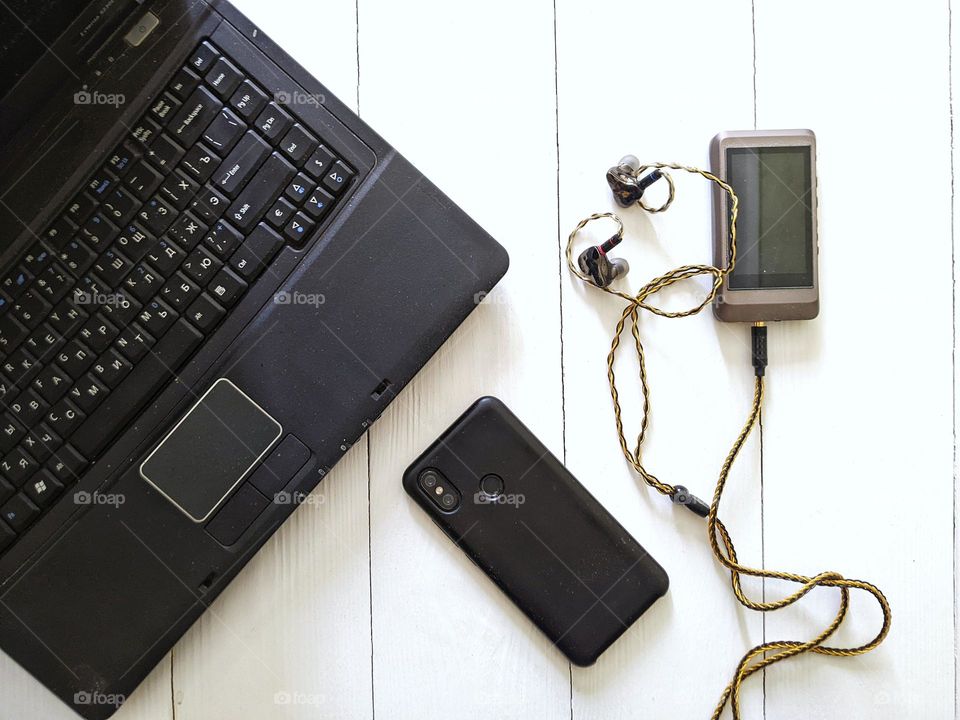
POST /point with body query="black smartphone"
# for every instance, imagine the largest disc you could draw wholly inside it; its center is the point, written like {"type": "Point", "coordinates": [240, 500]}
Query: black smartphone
{"type": "Point", "coordinates": [527, 522]}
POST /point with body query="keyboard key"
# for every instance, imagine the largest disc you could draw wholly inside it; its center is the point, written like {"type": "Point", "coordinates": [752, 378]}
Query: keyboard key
{"type": "Point", "coordinates": [200, 162]}
{"type": "Point", "coordinates": [194, 115]}
{"type": "Point", "coordinates": [53, 284]}
{"type": "Point", "coordinates": [66, 464]}
{"type": "Point", "coordinates": [178, 189]}
{"type": "Point", "coordinates": [76, 257]}
{"type": "Point", "coordinates": [338, 177]}
{"type": "Point", "coordinates": [97, 232]}
{"type": "Point", "coordinates": [134, 243]}
{"type": "Point", "coordinates": [203, 57]}
{"type": "Point", "coordinates": [179, 292]}
{"type": "Point", "coordinates": [120, 206]}
{"type": "Point", "coordinates": [226, 287]}
{"type": "Point", "coordinates": [252, 257]}
{"type": "Point", "coordinates": [7, 391]}
{"type": "Point", "coordinates": [320, 162]}
{"type": "Point", "coordinates": [143, 282]}
{"type": "Point", "coordinates": [298, 229]}
{"type": "Point", "coordinates": [134, 342]}
{"type": "Point", "coordinates": [17, 466]}
{"type": "Point", "coordinates": [240, 164]}
{"type": "Point", "coordinates": [187, 231]}
{"type": "Point", "coordinates": [99, 185]}
{"type": "Point", "coordinates": [7, 536]}
{"type": "Point", "coordinates": [319, 202]}
{"type": "Point", "coordinates": [66, 317]}
{"type": "Point", "coordinates": [123, 158]}
{"type": "Point", "coordinates": [222, 240]}
{"type": "Point", "coordinates": [81, 208]}
{"type": "Point", "coordinates": [7, 491]}
{"type": "Point", "coordinates": [31, 308]}
{"type": "Point", "coordinates": [64, 418]}
{"type": "Point", "coordinates": [88, 393]}
{"type": "Point", "coordinates": [164, 152]}
{"type": "Point", "coordinates": [16, 282]}
{"type": "Point", "coordinates": [200, 266]}
{"type": "Point", "coordinates": [165, 257]}
{"type": "Point", "coordinates": [260, 192]}
{"type": "Point", "coordinates": [280, 213]}
{"type": "Point", "coordinates": [43, 488]}
{"type": "Point", "coordinates": [209, 205]}
{"type": "Point", "coordinates": [143, 180]}
{"type": "Point", "coordinates": [224, 78]}
{"type": "Point", "coordinates": [156, 215]}
{"type": "Point", "coordinates": [121, 308]}
{"type": "Point", "coordinates": [183, 83]}
{"type": "Point", "coordinates": [273, 122]}
{"type": "Point", "coordinates": [28, 407]}
{"type": "Point", "coordinates": [97, 333]}
{"type": "Point", "coordinates": [12, 334]}
{"type": "Point", "coordinates": [299, 189]}
{"type": "Point", "coordinates": [147, 378]}
{"type": "Point", "coordinates": [36, 259]}
{"type": "Point", "coordinates": [11, 432]}
{"type": "Point", "coordinates": [111, 368]}
{"type": "Point", "coordinates": [223, 133]}
{"type": "Point", "coordinates": [248, 100]}
{"type": "Point", "coordinates": [51, 383]}
{"type": "Point", "coordinates": [205, 314]}
{"type": "Point", "coordinates": [75, 358]}
{"type": "Point", "coordinates": [298, 144]}
{"type": "Point", "coordinates": [21, 368]}
{"type": "Point", "coordinates": [144, 132]}
{"type": "Point", "coordinates": [164, 108]}
{"type": "Point", "coordinates": [112, 267]}
{"type": "Point", "coordinates": [41, 443]}
{"type": "Point", "coordinates": [18, 512]}
{"type": "Point", "coordinates": [157, 317]}
{"type": "Point", "coordinates": [43, 342]}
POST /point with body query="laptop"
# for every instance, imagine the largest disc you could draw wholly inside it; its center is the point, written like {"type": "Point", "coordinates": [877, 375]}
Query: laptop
{"type": "Point", "coordinates": [213, 279]}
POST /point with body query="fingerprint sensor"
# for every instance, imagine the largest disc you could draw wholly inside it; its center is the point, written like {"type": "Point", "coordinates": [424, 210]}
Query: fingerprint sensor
{"type": "Point", "coordinates": [491, 485]}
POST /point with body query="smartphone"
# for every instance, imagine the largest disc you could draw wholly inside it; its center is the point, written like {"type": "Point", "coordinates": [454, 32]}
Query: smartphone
{"type": "Point", "coordinates": [526, 521]}
{"type": "Point", "coordinates": [774, 174]}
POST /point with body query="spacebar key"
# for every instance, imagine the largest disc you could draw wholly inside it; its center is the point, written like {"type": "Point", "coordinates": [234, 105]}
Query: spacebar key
{"type": "Point", "coordinates": [147, 379]}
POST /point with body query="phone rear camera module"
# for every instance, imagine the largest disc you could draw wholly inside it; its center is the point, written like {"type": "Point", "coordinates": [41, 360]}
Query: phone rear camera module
{"type": "Point", "coordinates": [429, 479]}
{"type": "Point", "coordinates": [439, 489]}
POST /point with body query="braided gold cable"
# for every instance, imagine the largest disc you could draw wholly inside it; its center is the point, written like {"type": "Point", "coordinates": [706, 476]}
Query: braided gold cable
{"type": "Point", "coordinates": [721, 543]}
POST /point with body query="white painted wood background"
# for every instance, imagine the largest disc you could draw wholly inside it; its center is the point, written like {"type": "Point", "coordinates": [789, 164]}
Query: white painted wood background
{"type": "Point", "coordinates": [360, 608]}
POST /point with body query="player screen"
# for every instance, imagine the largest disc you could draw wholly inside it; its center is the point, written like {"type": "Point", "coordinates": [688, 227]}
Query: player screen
{"type": "Point", "coordinates": [775, 222]}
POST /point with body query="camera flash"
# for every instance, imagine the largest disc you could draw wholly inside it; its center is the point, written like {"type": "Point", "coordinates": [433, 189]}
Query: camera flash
{"type": "Point", "coordinates": [438, 490]}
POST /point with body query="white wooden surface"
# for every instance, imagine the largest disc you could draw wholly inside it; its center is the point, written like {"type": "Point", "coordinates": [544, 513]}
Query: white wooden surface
{"type": "Point", "coordinates": [360, 608]}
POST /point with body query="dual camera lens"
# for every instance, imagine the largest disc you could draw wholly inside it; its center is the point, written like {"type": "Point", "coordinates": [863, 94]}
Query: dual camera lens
{"type": "Point", "coordinates": [440, 491]}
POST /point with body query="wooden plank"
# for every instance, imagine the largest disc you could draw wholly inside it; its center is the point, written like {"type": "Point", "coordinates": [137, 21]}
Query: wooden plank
{"type": "Point", "coordinates": [658, 81]}
{"type": "Point", "coordinates": [466, 92]}
{"type": "Point", "coordinates": [291, 636]}
{"type": "Point", "coordinates": [857, 427]}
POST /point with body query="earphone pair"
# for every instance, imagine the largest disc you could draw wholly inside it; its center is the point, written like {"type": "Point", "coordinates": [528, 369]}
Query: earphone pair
{"type": "Point", "coordinates": [628, 183]}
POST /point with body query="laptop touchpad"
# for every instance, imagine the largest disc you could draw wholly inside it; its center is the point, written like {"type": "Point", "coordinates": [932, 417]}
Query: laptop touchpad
{"type": "Point", "coordinates": [209, 451]}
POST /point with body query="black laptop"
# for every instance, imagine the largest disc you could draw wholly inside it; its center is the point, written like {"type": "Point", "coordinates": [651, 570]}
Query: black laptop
{"type": "Point", "coordinates": [213, 279]}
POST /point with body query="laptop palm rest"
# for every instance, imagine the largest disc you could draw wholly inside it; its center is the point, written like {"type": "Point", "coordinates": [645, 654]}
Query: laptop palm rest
{"type": "Point", "coordinates": [209, 451]}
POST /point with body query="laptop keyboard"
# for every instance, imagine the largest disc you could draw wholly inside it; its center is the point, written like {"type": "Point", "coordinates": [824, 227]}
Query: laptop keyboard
{"type": "Point", "coordinates": [143, 264]}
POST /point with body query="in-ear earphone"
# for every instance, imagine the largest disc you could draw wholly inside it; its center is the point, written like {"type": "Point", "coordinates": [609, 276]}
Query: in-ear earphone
{"type": "Point", "coordinates": [601, 268]}
{"type": "Point", "coordinates": [628, 187]}
{"type": "Point", "coordinates": [625, 181]}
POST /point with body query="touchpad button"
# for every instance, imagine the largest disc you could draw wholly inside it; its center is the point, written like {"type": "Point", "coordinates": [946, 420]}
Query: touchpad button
{"type": "Point", "coordinates": [210, 450]}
